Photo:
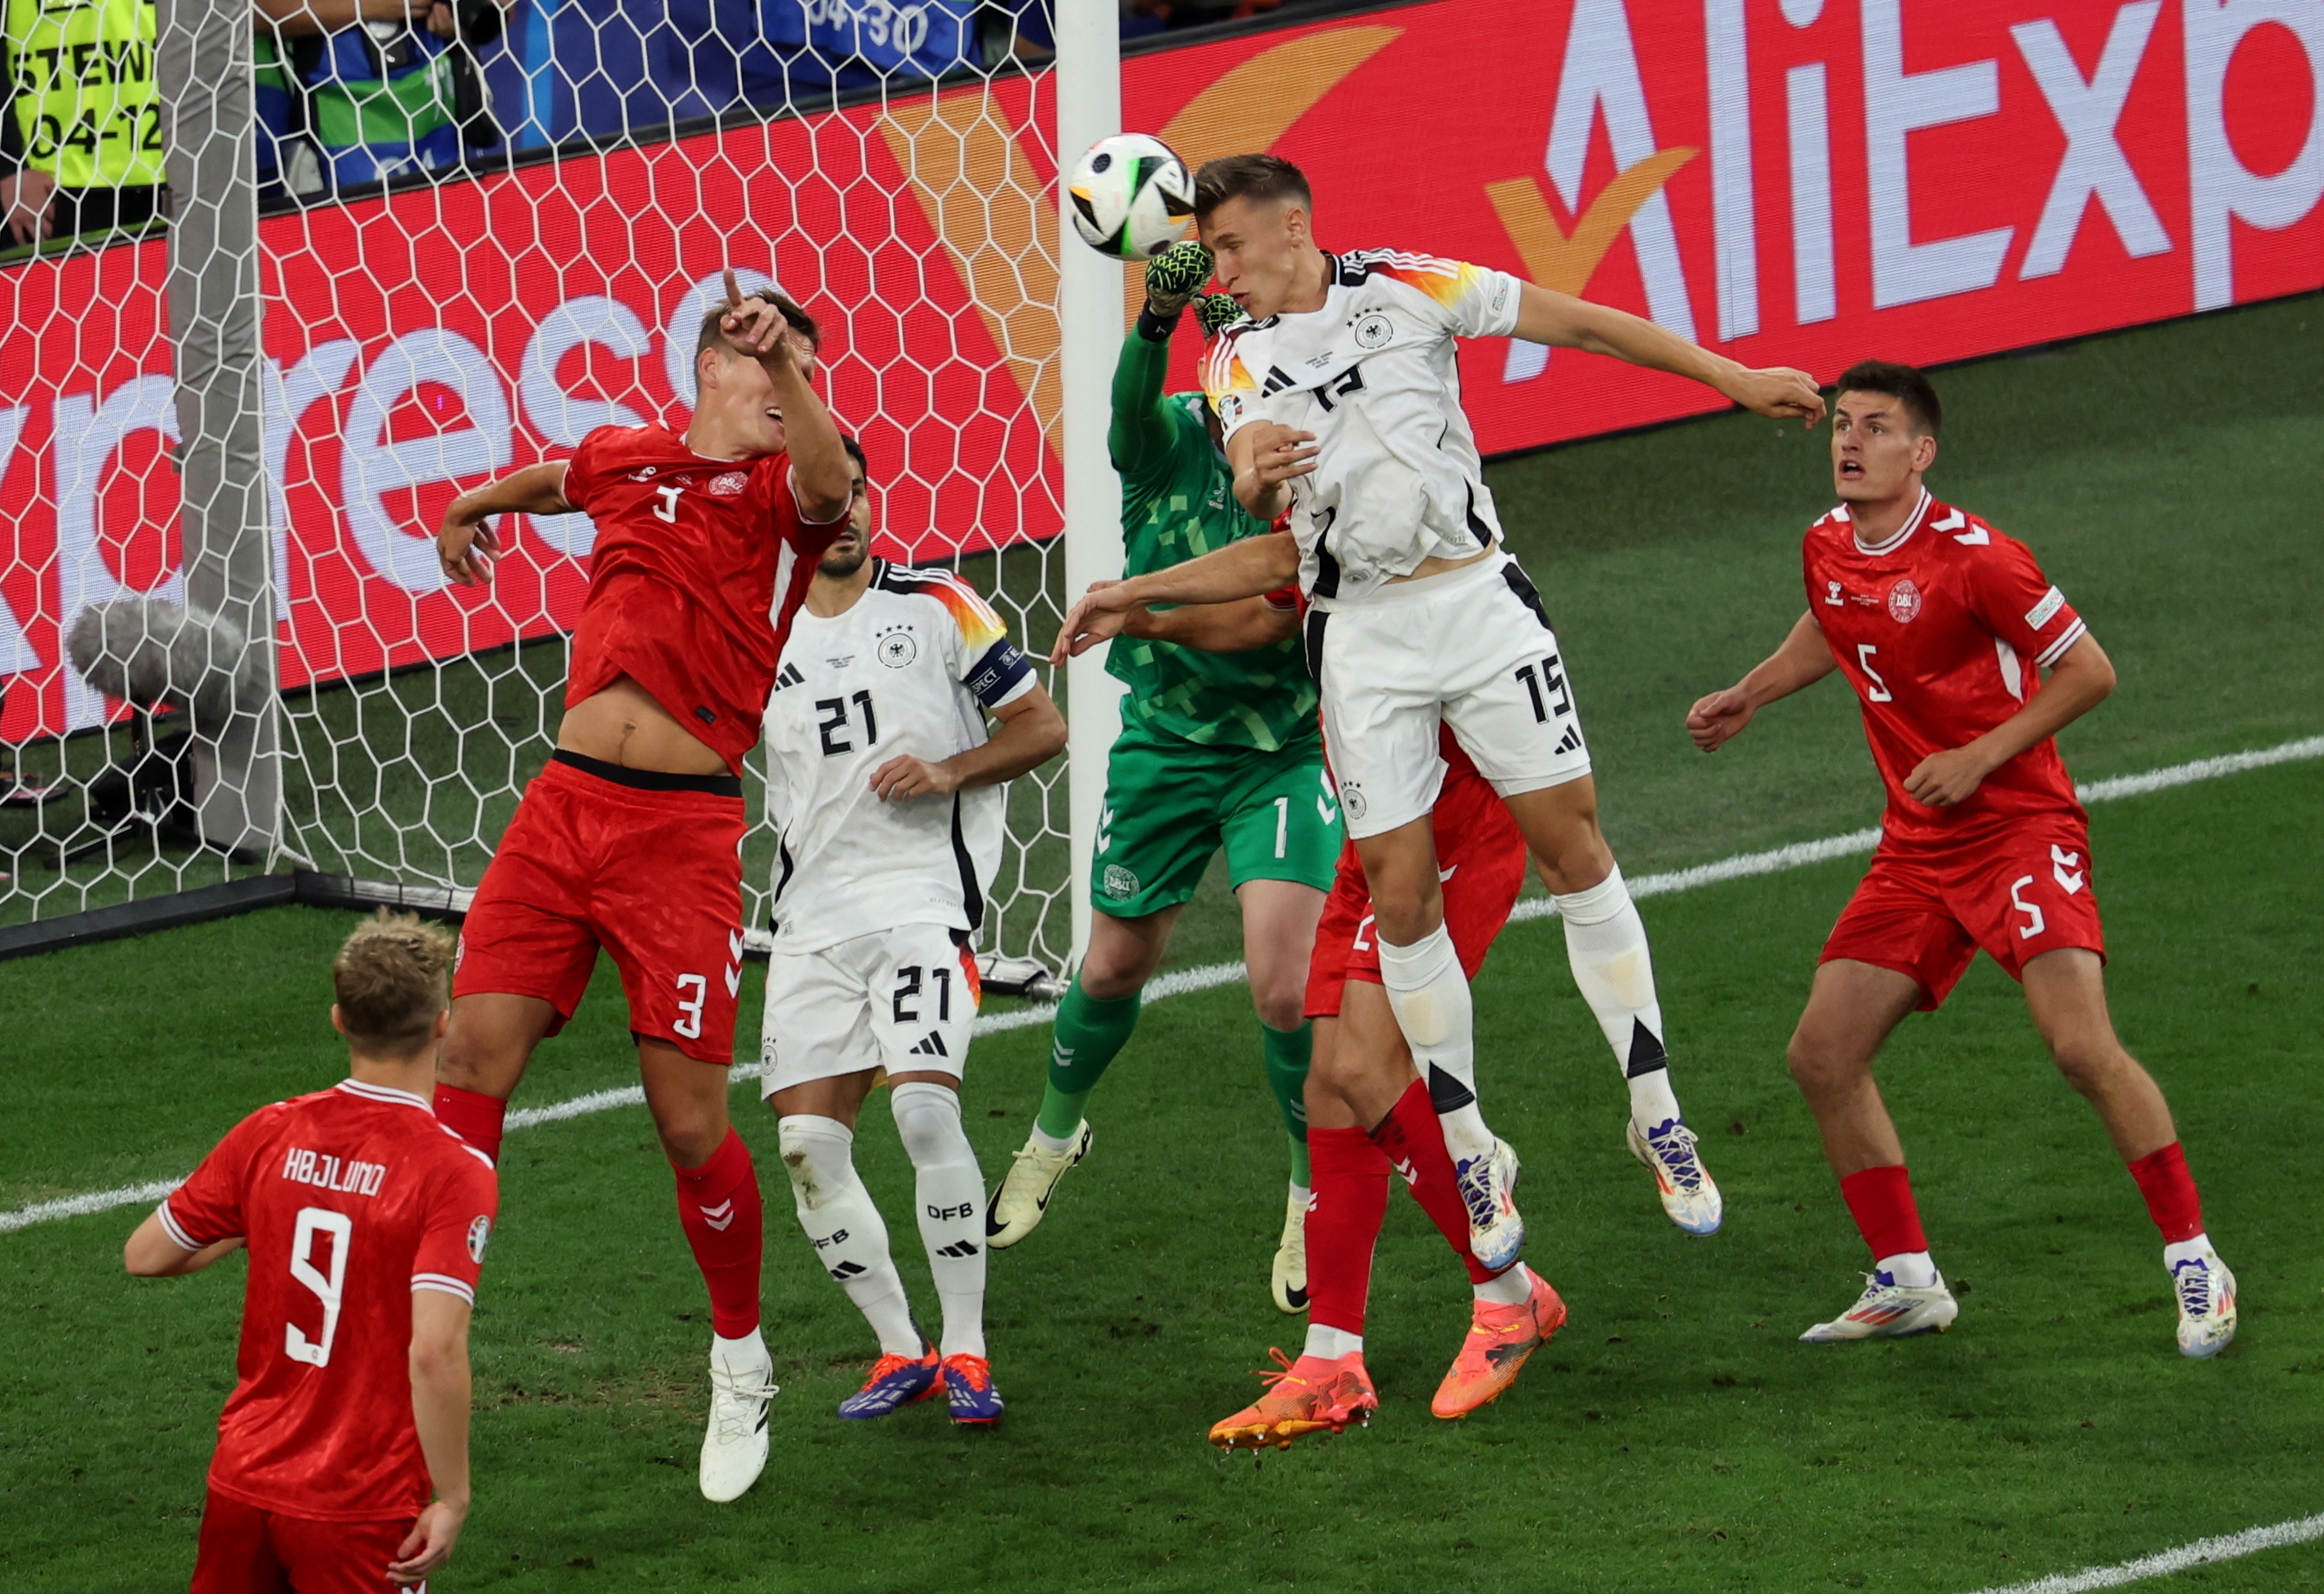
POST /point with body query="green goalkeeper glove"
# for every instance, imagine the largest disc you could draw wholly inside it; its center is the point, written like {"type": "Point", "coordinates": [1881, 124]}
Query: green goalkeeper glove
{"type": "Point", "coordinates": [1216, 312]}
{"type": "Point", "coordinates": [1173, 275]}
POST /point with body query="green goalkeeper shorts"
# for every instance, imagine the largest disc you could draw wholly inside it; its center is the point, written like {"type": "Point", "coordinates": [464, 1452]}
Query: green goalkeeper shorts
{"type": "Point", "coordinates": [1171, 804]}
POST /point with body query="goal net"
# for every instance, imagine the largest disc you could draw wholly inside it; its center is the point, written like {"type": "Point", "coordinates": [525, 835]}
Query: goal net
{"type": "Point", "coordinates": [420, 335]}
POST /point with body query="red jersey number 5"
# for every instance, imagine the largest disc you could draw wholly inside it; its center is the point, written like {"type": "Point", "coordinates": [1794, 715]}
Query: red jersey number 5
{"type": "Point", "coordinates": [1879, 691]}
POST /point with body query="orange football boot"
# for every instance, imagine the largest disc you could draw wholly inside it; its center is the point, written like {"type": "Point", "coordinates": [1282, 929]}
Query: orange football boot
{"type": "Point", "coordinates": [1303, 1397]}
{"type": "Point", "coordinates": [1498, 1341]}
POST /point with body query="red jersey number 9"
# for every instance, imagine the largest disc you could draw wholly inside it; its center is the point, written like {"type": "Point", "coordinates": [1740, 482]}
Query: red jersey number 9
{"type": "Point", "coordinates": [312, 1221]}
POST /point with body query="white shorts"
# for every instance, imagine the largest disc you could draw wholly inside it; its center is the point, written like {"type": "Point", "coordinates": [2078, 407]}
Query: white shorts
{"type": "Point", "coordinates": [904, 1001]}
{"type": "Point", "coordinates": [1470, 648]}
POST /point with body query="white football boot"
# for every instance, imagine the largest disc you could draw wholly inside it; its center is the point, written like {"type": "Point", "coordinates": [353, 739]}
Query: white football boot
{"type": "Point", "coordinates": [1688, 1197]}
{"type": "Point", "coordinates": [1488, 1186]}
{"type": "Point", "coordinates": [1890, 1310]}
{"type": "Point", "coordinates": [1290, 1279]}
{"type": "Point", "coordinates": [2207, 1305]}
{"type": "Point", "coordinates": [735, 1448]}
{"type": "Point", "coordinates": [1024, 1195]}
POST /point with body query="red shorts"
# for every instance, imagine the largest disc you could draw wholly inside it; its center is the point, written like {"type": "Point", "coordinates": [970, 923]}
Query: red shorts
{"type": "Point", "coordinates": [247, 1549]}
{"type": "Point", "coordinates": [1481, 855]}
{"type": "Point", "coordinates": [648, 866]}
{"type": "Point", "coordinates": [2019, 892]}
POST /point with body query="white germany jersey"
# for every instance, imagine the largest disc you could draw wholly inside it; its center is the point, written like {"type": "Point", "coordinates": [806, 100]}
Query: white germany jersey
{"type": "Point", "coordinates": [1372, 373]}
{"type": "Point", "coordinates": [911, 668]}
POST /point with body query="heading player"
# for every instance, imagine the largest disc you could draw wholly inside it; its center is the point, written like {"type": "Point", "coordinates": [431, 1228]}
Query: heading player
{"type": "Point", "coordinates": [631, 837]}
{"type": "Point", "coordinates": [890, 801]}
{"type": "Point", "coordinates": [1216, 750]}
{"type": "Point", "coordinates": [1422, 619]}
{"type": "Point", "coordinates": [1942, 625]}
{"type": "Point", "coordinates": [366, 1223]}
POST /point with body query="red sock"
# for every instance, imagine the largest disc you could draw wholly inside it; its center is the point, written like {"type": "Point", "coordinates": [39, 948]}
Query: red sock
{"type": "Point", "coordinates": [2169, 1191]}
{"type": "Point", "coordinates": [1413, 1139]}
{"type": "Point", "coordinates": [718, 1202]}
{"type": "Point", "coordinates": [1350, 1178]}
{"type": "Point", "coordinates": [473, 1116]}
{"type": "Point", "coordinates": [1881, 1201]}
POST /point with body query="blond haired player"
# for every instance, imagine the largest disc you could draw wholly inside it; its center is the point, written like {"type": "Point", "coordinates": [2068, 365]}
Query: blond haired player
{"type": "Point", "coordinates": [343, 1453]}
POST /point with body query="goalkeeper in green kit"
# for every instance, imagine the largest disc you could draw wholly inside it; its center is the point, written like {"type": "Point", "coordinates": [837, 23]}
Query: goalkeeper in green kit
{"type": "Point", "coordinates": [1217, 750]}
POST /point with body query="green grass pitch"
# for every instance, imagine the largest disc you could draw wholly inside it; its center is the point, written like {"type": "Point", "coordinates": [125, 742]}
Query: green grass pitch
{"type": "Point", "coordinates": [1675, 1437]}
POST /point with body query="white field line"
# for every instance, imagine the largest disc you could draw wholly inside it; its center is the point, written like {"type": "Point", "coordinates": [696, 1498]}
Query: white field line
{"type": "Point", "coordinates": [1209, 976]}
{"type": "Point", "coordinates": [2201, 1552]}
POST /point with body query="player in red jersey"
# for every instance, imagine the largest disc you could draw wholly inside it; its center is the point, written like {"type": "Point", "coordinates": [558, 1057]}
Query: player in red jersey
{"type": "Point", "coordinates": [366, 1221]}
{"type": "Point", "coordinates": [1368, 1109]}
{"type": "Point", "coordinates": [630, 838]}
{"type": "Point", "coordinates": [1942, 624]}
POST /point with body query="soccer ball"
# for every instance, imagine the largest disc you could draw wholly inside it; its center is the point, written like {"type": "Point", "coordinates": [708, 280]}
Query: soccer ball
{"type": "Point", "coordinates": [1131, 195]}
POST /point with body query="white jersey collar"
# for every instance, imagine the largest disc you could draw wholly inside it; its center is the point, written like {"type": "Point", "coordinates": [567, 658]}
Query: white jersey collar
{"type": "Point", "coordinates": [371, 1092]}
{"type": "Point", "coordinates": [1912, 524]}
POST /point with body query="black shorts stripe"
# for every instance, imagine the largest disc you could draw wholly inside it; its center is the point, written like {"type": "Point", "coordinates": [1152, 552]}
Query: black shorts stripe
{"type": "Point", "coordinates": [1315, 644]}
{"type": "Point", "coordinates": [1528, 594]}
{"type": "Point", "coordinates": [650, 780]}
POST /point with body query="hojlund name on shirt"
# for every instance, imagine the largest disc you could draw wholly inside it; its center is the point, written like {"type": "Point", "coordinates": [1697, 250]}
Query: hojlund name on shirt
{"type": "Point", "coordinates": [325, 1172]}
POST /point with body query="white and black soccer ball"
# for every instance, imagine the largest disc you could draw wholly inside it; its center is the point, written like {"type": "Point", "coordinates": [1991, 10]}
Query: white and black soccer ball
{"type": "Point", "coordinates": [1131, 195]}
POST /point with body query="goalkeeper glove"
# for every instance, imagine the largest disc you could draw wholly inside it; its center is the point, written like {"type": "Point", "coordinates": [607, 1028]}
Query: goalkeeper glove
{"type": "Point", "coordinates": [1216, 312]}
{"type": "Point", "coordinates": [1173, 275]}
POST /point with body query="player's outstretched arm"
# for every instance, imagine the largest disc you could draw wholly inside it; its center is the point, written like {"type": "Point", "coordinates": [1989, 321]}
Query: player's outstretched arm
{"type": "Point", "coordinates": [1248, 568]}
{"type": "Point", "coordinates": [439, 1410]}
{"type": "Point", "coordinates": [1032, 733]}
{"type": "Point", "coordinates": [1140, 434]}
{"type": "Point", "coordinates": [1216, 627]}
{"type": "Point", "coordinates": [1563, 321]}
{"type": "Point", "coordinates": [151, 1253]}
{"type": "Point", "coordinates": [466, 545]}
{"type": "Point", "coordinates": [1804, 659]}
{"type": "Point", "coordinates": [823, 478]}
{"type": "Point", "coordinates": [2079, 681]}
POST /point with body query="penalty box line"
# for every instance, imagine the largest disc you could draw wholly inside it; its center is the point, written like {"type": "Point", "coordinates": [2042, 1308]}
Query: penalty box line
{"type": "Point", "coordinates": [1210, 976]}
{"type": "Point", "coordinates": [2201, 1552]}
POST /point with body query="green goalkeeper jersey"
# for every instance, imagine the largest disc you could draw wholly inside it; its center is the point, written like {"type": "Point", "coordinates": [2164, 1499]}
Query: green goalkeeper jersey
{"type": "Point", "coordinates": [1178, 504]}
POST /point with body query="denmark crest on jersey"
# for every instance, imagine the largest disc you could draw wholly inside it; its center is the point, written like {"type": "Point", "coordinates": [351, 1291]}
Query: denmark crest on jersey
{"type": "Point", "coordinates": [730, 485]}
{"type": "Point", "coordinates": [1903, 601]}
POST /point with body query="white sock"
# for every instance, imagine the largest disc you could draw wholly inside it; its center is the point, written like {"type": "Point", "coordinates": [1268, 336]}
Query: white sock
{"type": "Point", "coordinates": [1510, 1288]}
{"type": "Point", "coordinates": [2188, 1250]}
{"type": "Point", "coordinates": [750, 1350]}
{"type": "Point", "coordinates": [849, 1236]}
{"type": "Point", "coordinates": [1913, 1269]}
{"type": "Point", "coordinates": [1301, 1196]}
{"type": "Point", "coordinates": [1049, 1142]}
{"type": "Point", "coordinates": [1605, 943]}
{"type": "Point", "coordinates": [948, 1195]}
{"type": "Point", "coordinates": [1430, 996]}
{"type": "Point", "coordinates": [1331, 1343]}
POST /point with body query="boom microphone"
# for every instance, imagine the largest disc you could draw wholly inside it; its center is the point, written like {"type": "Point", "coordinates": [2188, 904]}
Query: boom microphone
{"type": "Point", "coordinates": [156, 654]}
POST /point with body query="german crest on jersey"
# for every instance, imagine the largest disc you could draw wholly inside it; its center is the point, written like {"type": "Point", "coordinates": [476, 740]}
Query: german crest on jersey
{"type": "Point", "coordinates": [1903, 601]}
